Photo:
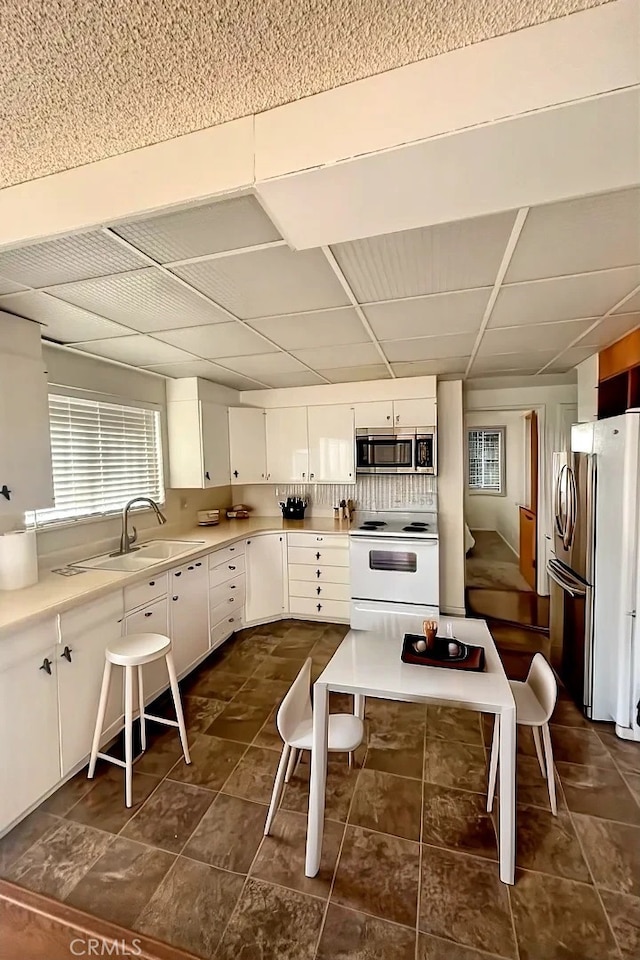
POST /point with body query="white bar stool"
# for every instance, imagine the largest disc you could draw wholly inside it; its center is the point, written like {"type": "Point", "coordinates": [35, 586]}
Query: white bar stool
{"type": "Point", "coordinates": [134, 651]}
{"type": "Point", "coordinates": [295, 725]}
{"type": "Point", "coordinates": [535, 702]}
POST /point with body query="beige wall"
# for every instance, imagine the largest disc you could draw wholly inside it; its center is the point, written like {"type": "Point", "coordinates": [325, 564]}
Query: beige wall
{"type": "Point", "coordinates": [488, 511]}
{"type": "Point", "coordinates": [451, 496]}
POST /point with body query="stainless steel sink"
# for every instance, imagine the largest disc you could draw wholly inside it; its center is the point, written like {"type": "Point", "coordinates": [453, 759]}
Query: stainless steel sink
{"type": "Point", "coordinates": [140, 557]}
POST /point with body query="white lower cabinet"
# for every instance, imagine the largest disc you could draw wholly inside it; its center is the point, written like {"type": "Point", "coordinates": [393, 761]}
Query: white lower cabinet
{"type": "Point", "coordinates": [319, 576]}
{"type": "Point", "coordinates": [85, 633]}
{"type": "Point", "coordinates": [266, 579]}
{"type": "Point", "coordinates": [29, 744]}
{"type": "Point", "coordinates": [154, 618]}
{"type": "Point", "coordinates": [189, 614]}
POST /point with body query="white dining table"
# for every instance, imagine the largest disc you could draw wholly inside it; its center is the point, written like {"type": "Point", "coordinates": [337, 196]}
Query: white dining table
{"type": "Point", "coordinates": [368, 664]}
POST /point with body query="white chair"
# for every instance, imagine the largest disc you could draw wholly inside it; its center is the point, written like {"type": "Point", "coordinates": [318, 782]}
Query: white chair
{"type": "Point", "coordinates": [535, 701]}
{"type": "Point", "coordinates": [135, 651]}
{"type": "Point", "coordinates": [295, 725]}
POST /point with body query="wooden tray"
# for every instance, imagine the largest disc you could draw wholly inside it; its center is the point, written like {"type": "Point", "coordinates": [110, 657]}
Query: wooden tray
{"type": "Point", "coordinates": [471, 658]}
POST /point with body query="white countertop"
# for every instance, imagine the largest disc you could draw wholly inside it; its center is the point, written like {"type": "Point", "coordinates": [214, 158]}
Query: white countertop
{"type": "Point", "coordinates": [54, 593]}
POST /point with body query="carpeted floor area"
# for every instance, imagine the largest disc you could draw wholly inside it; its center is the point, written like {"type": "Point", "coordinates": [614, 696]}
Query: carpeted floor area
{"type": "Point", "coordinates": [492, 565]}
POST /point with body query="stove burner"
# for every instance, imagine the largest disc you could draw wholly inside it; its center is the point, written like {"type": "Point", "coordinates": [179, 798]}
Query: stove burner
{"type": "Point", "coordinates": [420, 524]}
{"type": "Point", "coordinates": [416, 527]}
{"type": "Point", "coordinates": [373, 524]}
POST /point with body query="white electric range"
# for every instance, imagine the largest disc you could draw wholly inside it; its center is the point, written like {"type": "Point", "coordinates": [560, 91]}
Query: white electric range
{"type": "Point", "coordinates": [394, 561]}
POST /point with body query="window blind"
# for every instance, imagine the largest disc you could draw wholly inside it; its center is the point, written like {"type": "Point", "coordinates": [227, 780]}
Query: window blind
{"type": "Point", "coordinates": [485, 457]}
{"type": "Point", "coordinates": [103, 454]}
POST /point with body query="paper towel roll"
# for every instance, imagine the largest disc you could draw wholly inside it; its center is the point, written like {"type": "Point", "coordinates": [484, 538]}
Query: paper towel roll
{"type": "Point", "coordinates": [18, 559]}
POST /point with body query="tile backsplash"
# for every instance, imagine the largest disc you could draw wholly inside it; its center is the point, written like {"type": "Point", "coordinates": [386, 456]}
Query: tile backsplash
{"type": "Point", "coordinates": [369, 493]}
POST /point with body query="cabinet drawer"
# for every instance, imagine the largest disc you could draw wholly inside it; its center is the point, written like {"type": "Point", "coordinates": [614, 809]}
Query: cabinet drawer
{"type": "Point", "coordinates": [327, 540]}
{"type": "Point", "coordinates": [321, 609]}
{"type": "Point", "coordinates": [138, 594]}
{"type": "Point", "coordinates": [230, 590]}
{"type": "Point", "coordinates": [318, 573]}
{"type": "Point", "coordinates": [221, 631]}
{"type": "Point", "coordinates": [226, 571]}
{"type": "Point", "coordinates": [226, 554]}
{"type": "Point", "coordinates": [232, 612]}
{"type": "Point", "coordinates": [320, 554]}
{"type": "Point", "coordinates": [319, 591]}
{"type": "Point", "coordinates": [151, 619]}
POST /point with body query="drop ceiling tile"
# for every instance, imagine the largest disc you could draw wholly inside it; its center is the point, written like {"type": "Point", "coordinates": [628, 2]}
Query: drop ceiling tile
{"type": "Point", "coordinates": [536, 336]}
{"type": "Point", "coordinates": [529, 362]}
{"type": "Point", "coordinates": [448, 256]}
{"type": "Point", "coordinates": [66, 259]}
{"type": "Point", "coordinates": [62, 321]}
{"type": "Point", "coordinates": [225, 225]}
{"type": "Point", "coordinates": [347, 355]}
{"type": "Point", "coordinates": [427, 368]}
{"type": "Point", "coordinates": [428, 316]}
{"type": "Point", "coordinates": [263, 365]}
{"type": "Point", "coordinates": [145, 300]}
{"type": "Point", "coordinates": [218, 340]}
{"type": "Point", "coordinates": [570, 359]}
{"type": "Point", "coordinates": [632, 305]}
{"type": "Point", "coordinates": [268, 282]}
{"type": "Point", "coordinates": [611, 329]}
{"type": "Point", "coordinates": [562, 298]}
{"type": "Point", "coordinates": [319, 329]}
{"type": "Point", "coordinates": [429, 348]}
{"type": "Point", "coordinates": [302, 379]}
{"type": "Point", "coordinates": [575, 236]}
{"type": "Point", "coordinates": [137, 350]}
{"type": "Point", "coordinates": [374, 371]}
{"type": "Point", "coordinates": [186, 368]}
{"type": "Point", "coordinates": [8, 286]}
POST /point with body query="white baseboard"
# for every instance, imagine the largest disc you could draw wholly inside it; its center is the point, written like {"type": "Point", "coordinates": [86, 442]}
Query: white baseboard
{"type": "Point", "coordinates": [513, 550]}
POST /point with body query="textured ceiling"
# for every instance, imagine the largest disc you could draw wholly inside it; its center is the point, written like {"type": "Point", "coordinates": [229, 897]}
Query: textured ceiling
{"type": "Point", "coordinates": [81, 80]}
{"type": "Point", "coordinates": [212, 291]}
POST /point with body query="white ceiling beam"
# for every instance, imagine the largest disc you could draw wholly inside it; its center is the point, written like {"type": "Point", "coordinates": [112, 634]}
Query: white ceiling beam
{"type": "Point", "coordinates": [514, 236]}
{"type": "Point", "coordinates": [220, 254]}
{"type": "Point", "coordinates": [344, 283]}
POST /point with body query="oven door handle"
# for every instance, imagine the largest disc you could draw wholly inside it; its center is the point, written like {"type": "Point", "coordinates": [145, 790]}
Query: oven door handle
{"type": "Point", "coordinates": [568, 583]}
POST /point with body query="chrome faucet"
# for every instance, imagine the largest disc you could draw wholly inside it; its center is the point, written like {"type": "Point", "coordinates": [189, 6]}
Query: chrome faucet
{"type": "Point", "coordinates": [127, 540]}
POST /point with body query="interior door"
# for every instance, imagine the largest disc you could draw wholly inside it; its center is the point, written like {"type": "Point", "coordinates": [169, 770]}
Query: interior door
{"type": "Point", "coordinates": [528, 534]}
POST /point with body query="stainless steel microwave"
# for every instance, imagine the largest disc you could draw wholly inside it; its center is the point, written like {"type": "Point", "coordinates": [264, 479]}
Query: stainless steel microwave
{"type": "Point", "coordinates": [412, 451]}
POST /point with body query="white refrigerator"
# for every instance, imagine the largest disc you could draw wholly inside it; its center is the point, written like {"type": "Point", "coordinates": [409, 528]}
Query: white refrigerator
{"type": "Point", "coordinates": [597, 514]}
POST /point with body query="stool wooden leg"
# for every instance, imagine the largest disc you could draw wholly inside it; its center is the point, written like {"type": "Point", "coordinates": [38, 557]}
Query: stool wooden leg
{"type": "Point", "coordinates": [128, 735]}
{"type": "Point", "coordinates": [102, 709]}
{"type": "Point", "coordinates": [175, 692]}
{"type": "Point", "coordinates": [143, 728]}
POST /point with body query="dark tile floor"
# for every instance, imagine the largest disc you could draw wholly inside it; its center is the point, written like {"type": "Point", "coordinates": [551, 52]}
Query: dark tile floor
{"type": "Point", "coordinates": [409, 867]}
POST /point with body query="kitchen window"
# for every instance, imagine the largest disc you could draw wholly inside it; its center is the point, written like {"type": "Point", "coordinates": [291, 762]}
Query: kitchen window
{"type": "Point", "coordinates": [103, 454]}
{"type": "Point", "coordinates": [486, 460]}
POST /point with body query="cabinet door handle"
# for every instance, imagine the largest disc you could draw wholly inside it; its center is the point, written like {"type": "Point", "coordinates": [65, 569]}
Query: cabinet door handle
{"type": "Point", "coordinates": [6, 493]}
{"type": "Point", "coordinates": [318, 590]}
{"type": "Point", "coordinates": [235, 473]}
{"type": "Point", "coordinates": [152, 583]}
{"type": "Point", "coordinates": [231, 566]}
{"type": "Point", "coordinates": [46, 665]}
{"type": "Point", "coordinates": [233, 586]}
{"type": "Point", "coordinates": [198, 564]}
{"type": "Point", "coordinates": [319, 607]}
{"type": "Point", "coordinates": [66, 653]}
{"type": "Point", "coordinates": [179, 573]}
{"type": "Point", "coordinates": [231, 549]}
{"type": "Point", "coordinates": [319, 538]}
{"type": "Point", "coordinates": [231, 599]}
{"type": "Point", "coordinates": [231, 619]}
{"type": "Point", "coordinates": [318, 573]}
{"type": "Point", "coordinates": [149, 613]}
{"type": "Point", "coordinates": [189, 568]}
{"type": "Point", "coordinates": [173, 598]}
{"type": "Point", "coordinates": [311, 476]}
{"type": "Point", "coordinates": [318, 555]}
{"type": "Point", "coordinates": [397, 418]}
{"type": "Point", "coordinates": [207, 475]}
{"type": "Point", "coordinates": [304, 475]}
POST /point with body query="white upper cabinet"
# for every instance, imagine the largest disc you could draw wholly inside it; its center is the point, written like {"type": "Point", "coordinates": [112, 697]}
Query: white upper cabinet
{"type": "Point", "coordinates": [414, 413]}
{"type": "Point", "coordinates": [287, 445]}
{"type": "Point", "coordinates": [377, 413]}
{"type": "Point", "coordinates": [25, 443]}
{"type": "Point", "coordinates": [247, 445]}
{"type": "Point", "coordinates": [331, 444]}
{"type": "Point", "coordinates": [198, 443]}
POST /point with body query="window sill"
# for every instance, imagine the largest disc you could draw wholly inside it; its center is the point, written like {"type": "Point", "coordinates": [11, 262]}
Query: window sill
{"type": "Point", "coordinates": [94, 518]}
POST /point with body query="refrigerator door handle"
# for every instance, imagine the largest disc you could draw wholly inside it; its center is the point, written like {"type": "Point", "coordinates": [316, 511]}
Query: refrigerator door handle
{"type": "Point", "coordinates": [560, 526]}
{"type": "Point", "coordinates": [572, 509]}
{"type": "Point", "coordinates": [573, 587]}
